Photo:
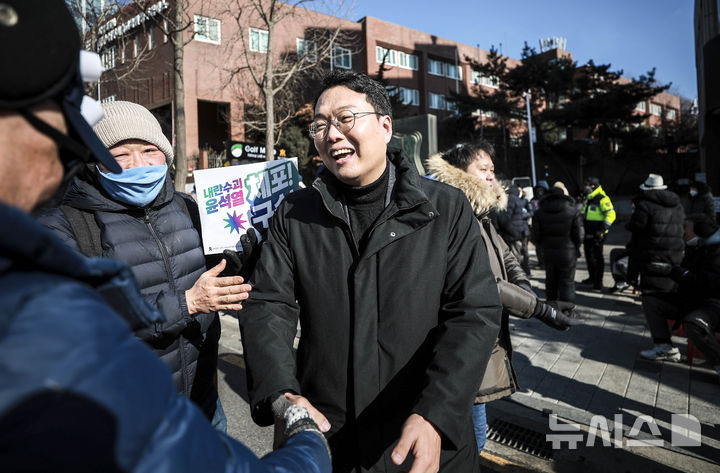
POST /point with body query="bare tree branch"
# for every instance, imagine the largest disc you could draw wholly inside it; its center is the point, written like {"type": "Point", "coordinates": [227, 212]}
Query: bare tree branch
{"type": "Point", "coordinates": [279, 77]}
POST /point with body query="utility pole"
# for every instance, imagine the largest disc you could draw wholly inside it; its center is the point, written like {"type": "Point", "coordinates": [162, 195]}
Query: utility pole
{"type": "Point", "coordinates": [530, 137]}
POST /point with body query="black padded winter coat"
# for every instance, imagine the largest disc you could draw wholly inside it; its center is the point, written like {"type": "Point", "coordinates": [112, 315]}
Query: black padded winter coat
{"type": "Point", "coordinates": [558, 229]}
{"type": "Point", "coordinates": [700, 204]}
{"type": "Point", "coordinates": [164, 251]}
{"type": "Point", "coordinates": [405, 324]}
{"type": "Point", "coordinates": [512, 223]}
{"type": "Point", "coordinates": [657, 226]}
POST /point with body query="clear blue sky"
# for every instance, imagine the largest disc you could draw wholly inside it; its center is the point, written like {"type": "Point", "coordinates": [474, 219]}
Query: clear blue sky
{"type": "Point", "coordinates": [632, 35]}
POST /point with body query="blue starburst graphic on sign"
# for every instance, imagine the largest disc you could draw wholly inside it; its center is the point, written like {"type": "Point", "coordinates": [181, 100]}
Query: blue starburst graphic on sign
{"type": "Point", "coordinates": [234, 222]}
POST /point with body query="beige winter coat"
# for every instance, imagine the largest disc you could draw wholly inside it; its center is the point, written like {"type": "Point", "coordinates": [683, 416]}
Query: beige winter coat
{"type": "Point", "coordinates": [499, 379]}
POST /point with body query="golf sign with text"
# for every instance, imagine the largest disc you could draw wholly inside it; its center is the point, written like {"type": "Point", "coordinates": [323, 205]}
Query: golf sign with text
{"type": "Point", "coordinates": [235, 198]}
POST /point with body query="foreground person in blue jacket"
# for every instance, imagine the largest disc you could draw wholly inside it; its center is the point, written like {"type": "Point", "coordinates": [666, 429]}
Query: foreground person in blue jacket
{"type": "Point", "coordinates": [78, 392]}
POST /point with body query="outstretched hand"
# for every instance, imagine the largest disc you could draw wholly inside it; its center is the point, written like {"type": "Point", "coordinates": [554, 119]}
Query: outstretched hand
{"type": "Point", "coordinates": [212, 292]}
{"type": "Point", "coordinates": [556, 314]}
{"type": "Point", "coordinates": [423, 439]}
{"type": "Point", "coordinates": [317, 416]}
{"type": "Point", "coordinates": [301, 401]}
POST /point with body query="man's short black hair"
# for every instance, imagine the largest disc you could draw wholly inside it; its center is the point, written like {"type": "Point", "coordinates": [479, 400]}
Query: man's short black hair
{"type": "Point", "coordinates": [462, 154]}
{"type": "Point", "coordinates": [375, 92]}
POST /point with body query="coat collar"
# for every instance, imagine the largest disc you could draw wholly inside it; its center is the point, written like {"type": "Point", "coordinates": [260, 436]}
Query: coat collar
{"type": "Point", "coordinates": [597, 191]}
{"type": "Point", "coordinates": [483, 197]}
{"type": "Point", "coordinates": [405, 190]}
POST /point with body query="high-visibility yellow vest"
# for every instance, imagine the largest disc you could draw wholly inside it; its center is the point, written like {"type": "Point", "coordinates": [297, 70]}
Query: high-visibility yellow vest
{"type": "Point", "coordinates": [599, 208]}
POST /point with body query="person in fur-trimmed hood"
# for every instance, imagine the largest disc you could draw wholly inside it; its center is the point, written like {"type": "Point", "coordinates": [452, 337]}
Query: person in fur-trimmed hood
{"type": "Point", "coordinates": [469, 167]}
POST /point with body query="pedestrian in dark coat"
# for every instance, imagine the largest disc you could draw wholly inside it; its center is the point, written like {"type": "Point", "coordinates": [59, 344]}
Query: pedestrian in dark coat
{"type": "Point", "coordinates": [697, 299]}
{"type": "Point", "coordinates": [657, 226]}
{"type": "Point", "coordinates": [538, 192]}
{"type": "Point", "coordinates": [142, 221]}
{"type": "Point", "coordinates": [470, 168]}
{"type": "Point", "coordinates": [699, 201]}
{"type": "Point", "coordinates": [558, 230]}
{"type": "Point", "coordinates": [513, 226]}
{"type": "Point", "coordinates": [79, 392]}
{"type": "Point", "coordinates": [386, 273]}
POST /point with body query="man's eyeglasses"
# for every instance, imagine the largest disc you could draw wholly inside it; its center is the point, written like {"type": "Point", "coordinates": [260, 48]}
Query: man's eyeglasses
{"type": "Point", "coordinates": [344, 122]}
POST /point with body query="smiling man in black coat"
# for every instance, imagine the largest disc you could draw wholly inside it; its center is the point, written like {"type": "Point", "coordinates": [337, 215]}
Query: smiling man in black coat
{"type": "Point", "coordinates": [388, 276]}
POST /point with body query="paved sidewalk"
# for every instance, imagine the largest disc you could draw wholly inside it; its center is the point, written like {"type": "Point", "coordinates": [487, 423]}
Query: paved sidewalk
{"type": "Point", "coordinates": [594, 369]}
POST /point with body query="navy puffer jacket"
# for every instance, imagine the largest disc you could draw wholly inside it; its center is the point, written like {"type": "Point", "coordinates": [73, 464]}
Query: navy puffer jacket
{"type": "Point", "coordinates": [79, 393]}
{"type": "Point", "coordinates": [518, 211]}
{"type": "Point", "coordinates": [164, 251]}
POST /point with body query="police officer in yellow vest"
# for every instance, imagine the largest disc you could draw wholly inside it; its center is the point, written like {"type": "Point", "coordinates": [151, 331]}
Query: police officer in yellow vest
{"type": "Point", "coordinates": [598, 215]}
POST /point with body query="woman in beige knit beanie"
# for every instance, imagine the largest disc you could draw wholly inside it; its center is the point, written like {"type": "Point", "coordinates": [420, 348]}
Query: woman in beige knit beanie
{"type": "Point", "coordinates": [125, 121]}
{"type": "Point", "coordinates": [137, 217]}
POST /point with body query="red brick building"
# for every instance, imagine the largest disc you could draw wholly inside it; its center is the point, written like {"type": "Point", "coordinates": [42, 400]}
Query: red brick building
{"type": "Point", "coordinates": [424, 68]}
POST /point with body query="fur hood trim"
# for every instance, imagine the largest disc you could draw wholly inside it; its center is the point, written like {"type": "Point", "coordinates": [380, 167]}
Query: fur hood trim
{"type": "Point", "coordinates": [481, 195]}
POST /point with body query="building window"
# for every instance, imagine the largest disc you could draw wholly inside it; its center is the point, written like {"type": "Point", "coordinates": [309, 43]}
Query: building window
{"type": "Point", "coordinates": [307, 48]}
{"type": "Point", "coordinates": [641, 107]}
{"type": "Point", "coordinates": [108, 58]}
{"type": "Point", "coordinates": [480, 79]}
{"type": "Point", "coordinates": [258, 40]}
{"type": "Point", "coordinates": [122, 54]}
{"type": "Point", "coordinates": [484, 113]}
{"type": "Point", "coordinates": [136, 45]}
{"type": "Point", "coordinates": [342, 58]}
{"type": "Point", "coordinates": [380, 53]}
{"type": "Point", "coordinates": [452, 71]}
{"type": "Point", "coordinates": [403, 60]}
{"type": "Point", "coordinates": [437, 101]}
{"type": "Point", "coordinates": [670, 114]}
{"type": "Point", "coordinates": [207, 29]}
{"type": "Point", "coordinates": [396, 58]}
{"type": "Point", "coordinates": [656, 109]}
{"type": "Point", "coordinates": [387, 55]}
{"type": "Point", "coordinates": [408, 96]}
{"type": "Point", "coordinates": [435, 67]}
{"type": "Point", "coordinates": [150, 39]}
{"type": "Point", "coordinates": [450, 105]}
{"type": "Point", "coordinates": [408, 61]}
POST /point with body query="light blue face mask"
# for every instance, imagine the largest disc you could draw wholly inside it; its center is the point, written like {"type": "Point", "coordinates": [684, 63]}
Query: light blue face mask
{"type": "Point", "coordinates": [136, 186]}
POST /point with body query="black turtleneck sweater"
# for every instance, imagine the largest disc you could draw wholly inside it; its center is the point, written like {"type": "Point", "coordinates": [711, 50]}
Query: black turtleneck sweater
{"type": "Point", "coordinates": [365, 204]}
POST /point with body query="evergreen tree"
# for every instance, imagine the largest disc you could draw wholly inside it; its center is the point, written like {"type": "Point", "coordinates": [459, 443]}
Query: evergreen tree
{"type": "Point", "coordinates": [579, 113]}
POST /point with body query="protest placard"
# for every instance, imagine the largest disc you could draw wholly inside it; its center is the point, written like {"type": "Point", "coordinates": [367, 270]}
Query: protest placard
{"type": "Point", "coordinates": [234, 198]}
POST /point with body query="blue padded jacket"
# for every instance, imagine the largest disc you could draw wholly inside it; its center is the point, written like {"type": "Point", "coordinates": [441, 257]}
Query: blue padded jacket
{"type": "Point", "coordinates": [78, 392]}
